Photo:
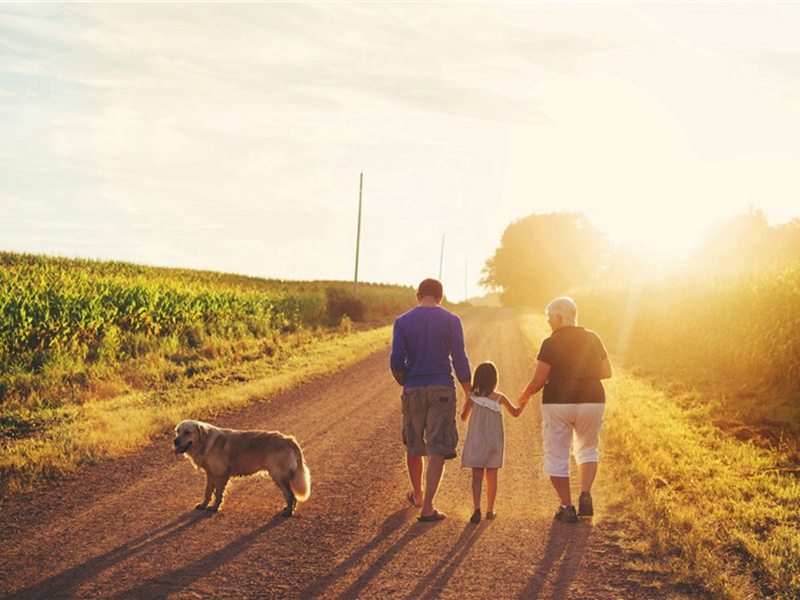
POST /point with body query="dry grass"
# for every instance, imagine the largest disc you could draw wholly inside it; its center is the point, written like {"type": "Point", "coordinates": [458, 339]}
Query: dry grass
{"type": "Point", "coordinates": [110, 426]}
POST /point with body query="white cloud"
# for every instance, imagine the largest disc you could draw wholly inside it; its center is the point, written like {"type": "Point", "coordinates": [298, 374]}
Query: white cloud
{"type": "Point", "coordinates": [231, 136]}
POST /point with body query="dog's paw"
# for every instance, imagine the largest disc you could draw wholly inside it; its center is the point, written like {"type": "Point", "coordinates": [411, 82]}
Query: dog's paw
{"type": "Point", "coordinates": [212, 509]}
{"type": "Point", "coordinates": [287, 512]}
{"type": "Point", "coordinates": [201, 506]}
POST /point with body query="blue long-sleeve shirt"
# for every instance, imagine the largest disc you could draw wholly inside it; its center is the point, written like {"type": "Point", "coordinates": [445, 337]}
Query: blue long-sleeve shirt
{"type": "Point", "coordinates": [428, 345]}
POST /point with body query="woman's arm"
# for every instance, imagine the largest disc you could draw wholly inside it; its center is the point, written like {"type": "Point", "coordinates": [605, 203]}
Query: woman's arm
{"type": "Point", "coordinates": [514, 411]}
{"type": "Point", "coordinates": [605, 369]}
{"type": "Point", "coordinates": [536, 383]}
{"type": "Point", "coordinates": [467, 408]}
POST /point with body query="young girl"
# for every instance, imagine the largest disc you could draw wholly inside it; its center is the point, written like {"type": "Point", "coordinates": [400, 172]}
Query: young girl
{"type": "Point", "coordinates": [485, 441]}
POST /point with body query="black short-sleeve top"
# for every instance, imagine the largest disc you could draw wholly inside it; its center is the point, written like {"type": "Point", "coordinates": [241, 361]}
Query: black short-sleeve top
{"type": "Point", "coordinates": [574, 355]}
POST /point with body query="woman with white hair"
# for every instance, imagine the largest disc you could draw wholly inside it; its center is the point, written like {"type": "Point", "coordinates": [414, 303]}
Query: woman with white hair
{"type": "Point", "coordinates": [570, 366]}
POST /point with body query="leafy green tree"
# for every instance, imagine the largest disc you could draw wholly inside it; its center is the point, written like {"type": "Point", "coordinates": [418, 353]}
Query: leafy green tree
{"type": "Point", "coordinates": [544, 256]}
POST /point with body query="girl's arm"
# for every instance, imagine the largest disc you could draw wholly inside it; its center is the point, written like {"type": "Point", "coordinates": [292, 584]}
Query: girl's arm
{"type": "Point", "coordinates": [536, 383]}
{"type": "Point", "coordinates": [467, 408]}
{"type": "Point", "coordinates": [515, 411]}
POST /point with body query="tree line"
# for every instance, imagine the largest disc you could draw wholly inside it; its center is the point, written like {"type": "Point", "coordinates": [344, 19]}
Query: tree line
{"type": "Point", "coordinates": [545, 255]}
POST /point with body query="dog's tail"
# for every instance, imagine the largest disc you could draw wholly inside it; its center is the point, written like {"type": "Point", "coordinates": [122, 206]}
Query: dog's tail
{"type": "Point", "coordinates": [301, 478]}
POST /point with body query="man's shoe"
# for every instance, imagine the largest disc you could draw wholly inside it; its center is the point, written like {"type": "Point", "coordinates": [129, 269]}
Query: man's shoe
{"type": "Point", "coordinates": [567, 514]}
{"type": "Point", "coordinates": [476, 516]}
{"type": "Point", "coordinates": [585, 508]}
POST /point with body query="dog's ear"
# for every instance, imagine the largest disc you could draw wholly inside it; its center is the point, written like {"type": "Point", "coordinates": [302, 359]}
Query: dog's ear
{"type": "Point", "coordinates": [202, 432]}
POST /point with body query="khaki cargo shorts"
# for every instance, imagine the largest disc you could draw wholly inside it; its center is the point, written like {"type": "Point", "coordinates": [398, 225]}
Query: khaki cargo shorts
{"type": "Point", "coordinates": [429, 420]}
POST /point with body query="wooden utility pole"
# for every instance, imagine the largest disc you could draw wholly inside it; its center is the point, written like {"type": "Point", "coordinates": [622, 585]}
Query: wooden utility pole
{"type": "Point", "coordinates": [466, 295]}
{"type": "Point", "coordinates": [441, 259]}
{"type": "Point", "coordinates": [358, 234]}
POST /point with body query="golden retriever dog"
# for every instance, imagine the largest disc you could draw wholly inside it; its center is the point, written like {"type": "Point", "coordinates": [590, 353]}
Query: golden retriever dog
{"type": "Point", "coordinates": [226, 453]}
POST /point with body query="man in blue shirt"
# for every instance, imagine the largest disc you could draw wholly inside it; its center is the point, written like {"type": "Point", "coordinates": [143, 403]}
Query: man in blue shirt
{"type": "Point", "coordinates": [427, 346]}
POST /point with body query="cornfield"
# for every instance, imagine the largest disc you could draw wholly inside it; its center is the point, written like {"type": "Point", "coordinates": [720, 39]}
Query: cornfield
{"type": "Point", "coordinates": [741, 328]}
{"type": "Point", "coordinates": [56, 310]}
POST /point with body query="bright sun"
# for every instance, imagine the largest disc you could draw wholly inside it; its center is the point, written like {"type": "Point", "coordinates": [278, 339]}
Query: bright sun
{"type": "Point", "coordinates": [663, 239]}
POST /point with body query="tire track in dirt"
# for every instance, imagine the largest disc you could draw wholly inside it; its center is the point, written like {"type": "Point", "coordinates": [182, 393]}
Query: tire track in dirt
{"type": "Point", "coordinates": [126, 528]}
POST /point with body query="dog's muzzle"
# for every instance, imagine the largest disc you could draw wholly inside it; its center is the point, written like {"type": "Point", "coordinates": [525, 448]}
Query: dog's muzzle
{"type": "Point", "coordinates": [180, 449]}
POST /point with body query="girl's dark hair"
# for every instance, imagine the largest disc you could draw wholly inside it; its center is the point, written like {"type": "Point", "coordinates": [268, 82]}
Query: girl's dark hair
{"type": "Point", "coordinates": [484, 380]}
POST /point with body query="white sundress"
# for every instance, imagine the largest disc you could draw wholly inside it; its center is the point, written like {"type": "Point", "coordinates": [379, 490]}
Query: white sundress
{"type": "Point", "coordinates": [485, 442]}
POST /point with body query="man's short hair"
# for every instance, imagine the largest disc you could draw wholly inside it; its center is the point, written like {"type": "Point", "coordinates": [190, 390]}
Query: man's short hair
{"type": "Point", "coordinates": [431, 287]}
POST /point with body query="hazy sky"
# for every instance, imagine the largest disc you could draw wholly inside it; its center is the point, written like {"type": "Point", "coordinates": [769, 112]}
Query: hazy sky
{"type": "Point", "coordinates": [230, 136]}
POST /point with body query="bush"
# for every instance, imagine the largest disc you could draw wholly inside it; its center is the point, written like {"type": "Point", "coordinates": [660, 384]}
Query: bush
{"type": "Point", "coordinates": [340, 304]}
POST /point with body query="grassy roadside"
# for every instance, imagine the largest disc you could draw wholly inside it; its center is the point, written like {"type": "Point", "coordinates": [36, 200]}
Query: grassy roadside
{"type": "Point", "coordinates": [110, 427]}
{"type": "Point", "coordinates": [722, 513]}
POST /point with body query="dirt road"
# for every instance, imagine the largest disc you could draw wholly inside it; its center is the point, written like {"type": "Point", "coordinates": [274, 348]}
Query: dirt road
{"type": "Point", "coordinates": [127, 528]}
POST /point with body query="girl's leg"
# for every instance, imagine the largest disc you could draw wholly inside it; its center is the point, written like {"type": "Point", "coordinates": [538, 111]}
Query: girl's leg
{"type": "Point", "coordinates": [491, 488]}
{"type": "Point", "coordinates": [477, 485]}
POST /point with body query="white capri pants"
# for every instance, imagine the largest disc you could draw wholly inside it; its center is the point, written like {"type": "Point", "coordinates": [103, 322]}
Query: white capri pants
{"type": "Point", "coordinates": [566, 426]}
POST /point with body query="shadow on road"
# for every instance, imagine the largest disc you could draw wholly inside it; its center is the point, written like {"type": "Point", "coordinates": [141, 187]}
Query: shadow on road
{"type": "Point", "coordinates": [166, 584]}
{"type": "Point", "coordinates": [566, 543]}
{"type": "Point", "coordinates": [392, 524]}
{"type": "Point", "coordinates": [60, 585]}
{"type": "Point", "coordinates": [436, 580]}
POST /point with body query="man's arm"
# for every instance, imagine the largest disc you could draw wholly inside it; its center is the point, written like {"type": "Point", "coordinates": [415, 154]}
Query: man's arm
{"type": "Point", "coordinates": [467, 409]}
{"type": "Point", "coordinates": [399, 376]}
{"type": "Point", "coordinates": [458, 353]}
{"type": "Point", "coordinates": [397, 358]}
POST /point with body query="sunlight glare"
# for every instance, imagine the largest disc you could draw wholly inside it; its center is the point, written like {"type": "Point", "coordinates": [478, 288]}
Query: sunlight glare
{"type": "Point", "coordinates": [662, 239]}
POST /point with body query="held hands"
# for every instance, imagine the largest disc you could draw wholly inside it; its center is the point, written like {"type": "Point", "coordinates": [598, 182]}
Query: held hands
{"type": "Point", "coordinates": [516, 410]}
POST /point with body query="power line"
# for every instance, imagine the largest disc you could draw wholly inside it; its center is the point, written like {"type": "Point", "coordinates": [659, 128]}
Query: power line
{"type": "Point", "coordinates": [441, 259]}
